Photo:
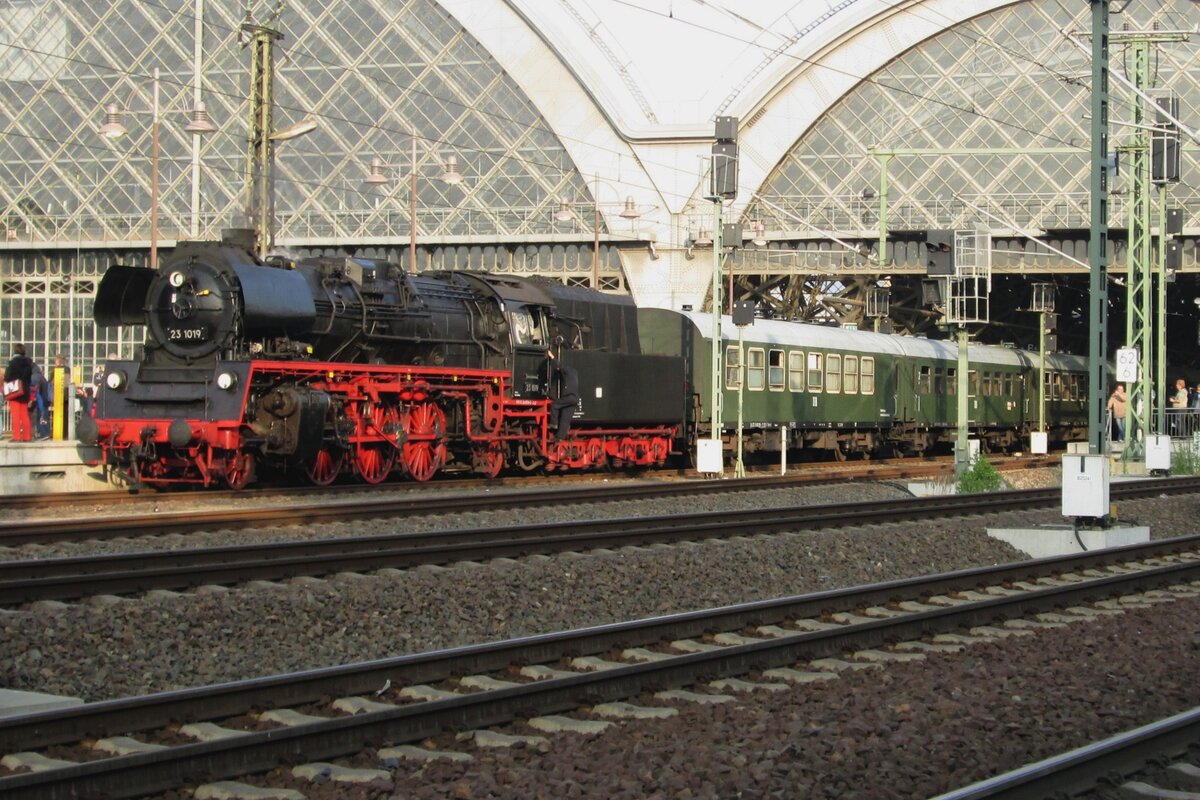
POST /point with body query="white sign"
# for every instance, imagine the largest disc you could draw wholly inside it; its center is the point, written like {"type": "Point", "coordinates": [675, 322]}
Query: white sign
{"type": "Point", "coordinates": [1127, 365]}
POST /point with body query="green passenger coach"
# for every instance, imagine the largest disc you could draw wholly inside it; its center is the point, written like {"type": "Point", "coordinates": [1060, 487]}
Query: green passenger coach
{"type": "Point", "coordinates": [848, 392]}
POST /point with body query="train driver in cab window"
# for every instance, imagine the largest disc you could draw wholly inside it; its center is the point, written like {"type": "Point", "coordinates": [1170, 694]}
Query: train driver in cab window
{"type": "Point", "coordinates": [526, 327]}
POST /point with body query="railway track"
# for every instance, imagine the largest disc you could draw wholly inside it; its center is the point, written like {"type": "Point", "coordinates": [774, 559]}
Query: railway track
{"type": "Point", "coordinates": [887, 469]}
{"type": "Point", "coordinates": [406, 699]}
{"type": "Point", "coordinates": [1102, 765]}
{"type": "Point", "coordinates": [61, 579]}
{"type": "Point", "coordinates": [146, 518]}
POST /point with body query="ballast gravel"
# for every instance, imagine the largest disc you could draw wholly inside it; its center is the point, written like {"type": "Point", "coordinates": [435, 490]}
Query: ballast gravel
{"type": "Point", "coordinates": [912, 730]}
{"type": "Point", "coordinates": [136, 646]}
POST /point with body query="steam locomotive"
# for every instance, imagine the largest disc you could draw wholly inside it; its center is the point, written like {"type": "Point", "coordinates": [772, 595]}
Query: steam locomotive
{"type": "Point", "coordinates": [335, 366]}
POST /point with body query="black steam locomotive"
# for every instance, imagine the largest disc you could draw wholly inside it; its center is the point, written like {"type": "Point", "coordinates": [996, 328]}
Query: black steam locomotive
{"type": "Point", "coordinates": [334, 365]}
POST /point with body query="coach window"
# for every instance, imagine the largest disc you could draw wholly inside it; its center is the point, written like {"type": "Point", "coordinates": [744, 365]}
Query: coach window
{"type": "Point", "coordinates": [775, 370]}
{"type": "Point", "coordinates": [755, 367]}
{"type": "Point", "coordinates": [1008, 384]}
{"type": "Point", "coordinates": [833, 374]}
{"type": "Point", "coordinates": [815, 372]}
{"type": "Point", "coordinates": [951, 381]}
{"type": "Point", "coordinates": [973, 383]}
{"type": "Point", "coordinates": [924, 377]}
{"type": "Point", "coordinates": [733, 362]}
{"type": "Point", "coordinates": [796, 370]}
{"type": "Point", "coordinates": [850, 375]}
{"type": "Point", "coordinates": [867, 383]}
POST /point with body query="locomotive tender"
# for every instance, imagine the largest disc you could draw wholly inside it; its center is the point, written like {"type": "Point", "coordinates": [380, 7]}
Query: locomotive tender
{"type": "Point", "coordinates": [334, 365]}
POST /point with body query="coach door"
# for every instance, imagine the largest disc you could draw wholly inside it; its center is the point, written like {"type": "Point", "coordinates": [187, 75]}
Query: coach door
{"type": "Point", "coordinates": [905, 400]}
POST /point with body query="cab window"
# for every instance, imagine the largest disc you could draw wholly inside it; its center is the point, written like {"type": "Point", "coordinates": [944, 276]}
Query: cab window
{"type": "Point", "coordinates": [526, 327]}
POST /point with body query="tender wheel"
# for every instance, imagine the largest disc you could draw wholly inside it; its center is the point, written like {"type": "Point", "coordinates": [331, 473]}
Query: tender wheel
{"type": "Point", "coordinates": [374, 460]}
{"type": "Point", "coordinates": [596, 455]}
{"type": "Point", "coordinates": [239, 470]}
{"type": "Point", "coordinates": [325, 466]}
{"type": "Point", "coordinates": [424, 451]}
{"type": "Point", "coordinates": [659, 449]}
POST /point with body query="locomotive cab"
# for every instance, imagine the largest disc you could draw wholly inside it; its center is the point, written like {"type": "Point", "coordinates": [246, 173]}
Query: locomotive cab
{"type": "Point", "coordinates": [529, 329]}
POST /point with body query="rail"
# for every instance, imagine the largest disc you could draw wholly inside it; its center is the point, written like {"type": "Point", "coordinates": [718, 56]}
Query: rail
{"type": "Point", "coordinates": [125, 573]}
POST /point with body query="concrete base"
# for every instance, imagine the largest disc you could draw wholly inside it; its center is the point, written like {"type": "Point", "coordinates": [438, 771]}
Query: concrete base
{"type": "Point", "coordinates": [47, 467]}
{"type": "Point", "coordinates": [1135, 468]}
{"type": "Point", "coordinates": [932, 488]}
{"type": "Point", "coordinates": [1056, 540]}
{"type": "Point", "coordinates": [14, 703]}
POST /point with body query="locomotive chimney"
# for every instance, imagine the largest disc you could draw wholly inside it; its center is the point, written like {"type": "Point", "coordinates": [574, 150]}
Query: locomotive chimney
{"type": "Point", "coordinates": [238, 237]}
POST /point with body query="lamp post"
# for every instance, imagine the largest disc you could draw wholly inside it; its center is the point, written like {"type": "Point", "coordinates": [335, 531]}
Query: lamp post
{"type": "Point", "coordinates": [377, 176]}
{"type": "Point", "coordinates": [113, 128]}
{"type": "Point", "coordinates": [629, 211]}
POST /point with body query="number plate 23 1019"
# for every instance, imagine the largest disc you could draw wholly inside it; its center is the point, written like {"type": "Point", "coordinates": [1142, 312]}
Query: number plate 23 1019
{"type": "Point", "coordinates": [187, 334]}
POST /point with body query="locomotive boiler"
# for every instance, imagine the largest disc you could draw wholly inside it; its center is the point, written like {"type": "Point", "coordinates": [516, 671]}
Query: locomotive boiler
{"type": "Point", "coordinates": [339, 365]}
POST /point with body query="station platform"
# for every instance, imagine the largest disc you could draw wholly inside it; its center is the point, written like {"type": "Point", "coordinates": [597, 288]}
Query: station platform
{"type": "Point", "coordinates": [46, 467]}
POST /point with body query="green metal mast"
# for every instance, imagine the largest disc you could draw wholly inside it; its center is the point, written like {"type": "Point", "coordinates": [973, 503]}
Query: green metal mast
{"type": "Point", "coordinates": [1139, 328]}
{"type": "Point", "coordinates": [717, 378]}
{"type": "Point", "coordinates": [1098, 241]}
{"type": "Point", "coordinates": [1145, 329]}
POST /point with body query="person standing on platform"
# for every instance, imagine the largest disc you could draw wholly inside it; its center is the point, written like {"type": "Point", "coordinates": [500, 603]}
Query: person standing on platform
{"type": "Point", "coordinates": [1117, 407]}
{"type": "Point", "coordinates": [39, 402]}
{"type": "Point", "coordinates": [20, 368]}
{"type": "Point", "coordinates": [1177, 401]}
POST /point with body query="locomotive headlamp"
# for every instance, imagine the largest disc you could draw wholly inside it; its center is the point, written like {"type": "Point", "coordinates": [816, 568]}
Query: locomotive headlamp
{"type": "Point", "coordinates": [176, 279]}
{"type": "Point", "coordinates": [115, 379]}
{"type": "Point", "coordinates": [226, 381]}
